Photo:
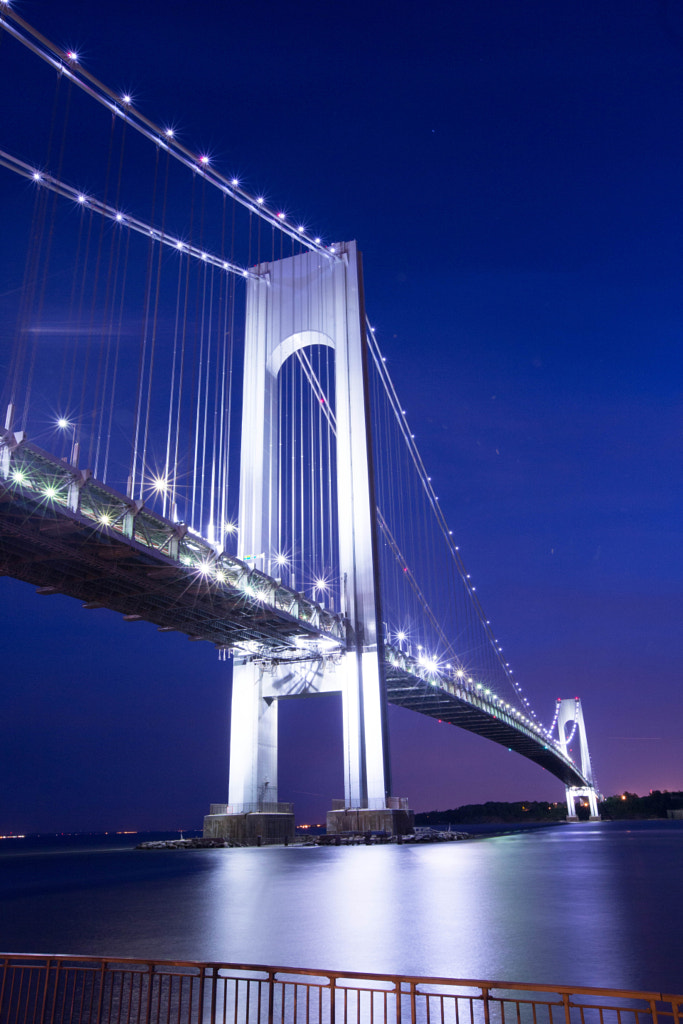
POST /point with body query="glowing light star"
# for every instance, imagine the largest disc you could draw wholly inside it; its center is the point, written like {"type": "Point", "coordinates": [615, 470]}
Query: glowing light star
{"type": "Point", "coordinates": [50, 491]}
{"type": "Point", "coordinates": [460, 673]}
{"type": "Point", "coordinates": [260, 200]}
{"type": "Point", "coordinates": [204, 568]}
{"type": "Point", "coordinates": [235, 182]}
{"type": "Point", "coordinates": [169, 133]}
{"type": "Point", "coordinates": [204, 160]}
{"type": "Point", "coordinates": [179, 245]}
{"type": "Point", "coordinates": [62, 423]}
{"type": "Point", "coordinates": [230, 528]}
{"type": "Point", "coordinates": [37, 176]}
{"type": "Point", "coordinates": [321, 584]}
{"type": "Point", "coordinates": [220, 576]}
{"type": "Point", "coordinates": [281, 216]}
{"type": "Point", "coordinates": [401, 636]}
{"type": "Point", "coordinates": [317, 241]}
{"type": "Point", "coordinates": [281, 559]}
{"type": "Point", "coordinates": [159, 484]}
{"type": "Point", "coordinates": [72, 56]}
{"type": "Point", "coordinates": [127, 99]}
{"type": "Point", "coordinates": [18, 476]}
{"type": "Point", "coordinates": [119, 217]}
{"type": "Point", "coordinates": [301, 228]}
{"type": "Point", "coordinates": [105, 518]}
{"type": "Point", "coordinates": [81, 198]}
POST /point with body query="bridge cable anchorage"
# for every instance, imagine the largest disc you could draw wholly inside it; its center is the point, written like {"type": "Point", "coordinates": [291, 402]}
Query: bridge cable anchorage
{"type": "Point", "coordinates": [67, 64]}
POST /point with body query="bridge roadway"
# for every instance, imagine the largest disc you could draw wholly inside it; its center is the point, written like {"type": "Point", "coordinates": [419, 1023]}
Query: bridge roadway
{"type": "Point", "coordinates": [65, 532]}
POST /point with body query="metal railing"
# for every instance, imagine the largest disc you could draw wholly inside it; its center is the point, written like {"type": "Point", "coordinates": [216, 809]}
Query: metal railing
{"type": "Point", "coordinates": [37, 989]}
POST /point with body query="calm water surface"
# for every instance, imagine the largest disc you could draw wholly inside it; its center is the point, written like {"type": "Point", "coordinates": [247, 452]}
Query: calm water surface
{"type": "Point", "coordinates": [590, 904]}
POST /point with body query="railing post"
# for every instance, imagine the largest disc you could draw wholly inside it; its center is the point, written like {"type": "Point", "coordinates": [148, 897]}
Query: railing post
{"type": "Point", "coordinates": [271, 996]}
{"type": "Point", "coordinates": [567, 1015]}
{"type": "Point", "coordinates": [333, 1000]}
{"type": "Point", "coordinates": [150, 986]}
{"type": "Point", "coordinates": [413, 1009]}
{"type": "Point", "coordinates": [213, 995]}
{"type": "Point", "coordinates": [100, 995]}
{"type": "Point", "coordinates": [48, 967]}
{"type": "Point", "coordinates": [485, 999]}
{"type": "Point", "coordinates": [200, 1007]}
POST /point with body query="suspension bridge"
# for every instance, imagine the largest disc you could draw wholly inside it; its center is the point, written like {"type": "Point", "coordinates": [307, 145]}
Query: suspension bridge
{"type": "Point", "coordinates": [200, 431]}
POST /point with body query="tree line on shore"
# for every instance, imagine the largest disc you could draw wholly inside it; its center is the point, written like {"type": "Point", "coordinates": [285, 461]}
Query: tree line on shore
{"type": "Point", "coordinates": [656, 804]}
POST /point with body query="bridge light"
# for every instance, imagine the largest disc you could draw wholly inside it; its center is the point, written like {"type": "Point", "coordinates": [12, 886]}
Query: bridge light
{"type": "Point", "coordinates": [37, 176]}
{"type": "Point", "coordinates": [72, 56]}
{"type": "Point", "coordinates": [317, 241]}
{"type": "Point", "coordinates": [80, 198]}
{"type": "Point", "coordinates": [105, 518]}
{"type": "Point", "coordinates": [281, 559]}
{"type": "Point", "coordinates": [127, 99]}
{"type": "Point", "coordinates": [260, 200]}
{"type": "Point", "coordinates": [62, 423]}
{"type": "Point", "coordinates": [235, 182]}
{"type": "Point", "coordinates": [159, 484]}
{"type": "Point", "coordinates": [18, 476]}
{"type": "Point", "coordinates": [220, 576]}
{"type": "Point", "coordinates": [169, 133]}
{"type": "Point", "coordinates": [119, 217]}
{"type": "Point", "coordinates": [50, 491]}
{"type": "Point", "coordinates": [230, 527]}
{"type": "Point", "coordinates": [204, 160]}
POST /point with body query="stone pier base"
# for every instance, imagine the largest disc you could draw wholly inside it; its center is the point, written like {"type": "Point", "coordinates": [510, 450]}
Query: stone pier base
{"type": "Point", "coordinates": [253, 828]}
{"type": "Point", "coordinates": [396, 820]}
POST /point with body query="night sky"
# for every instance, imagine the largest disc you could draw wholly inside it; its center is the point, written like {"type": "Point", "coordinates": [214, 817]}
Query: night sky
{"type": "Point", "coordinates": [512, 171]}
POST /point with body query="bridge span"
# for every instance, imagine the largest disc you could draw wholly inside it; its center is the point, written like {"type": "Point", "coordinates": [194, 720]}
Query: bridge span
{"type": "Point", "coordinates": [67, 533]}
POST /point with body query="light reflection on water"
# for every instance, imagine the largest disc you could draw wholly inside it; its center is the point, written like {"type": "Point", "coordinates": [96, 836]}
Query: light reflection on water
{"type": "Point", "coordinates": [586, 904]}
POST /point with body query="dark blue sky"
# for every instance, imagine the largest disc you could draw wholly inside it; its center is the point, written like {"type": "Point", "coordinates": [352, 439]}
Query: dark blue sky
{"type": "Point", "coordinates": [512, 172]}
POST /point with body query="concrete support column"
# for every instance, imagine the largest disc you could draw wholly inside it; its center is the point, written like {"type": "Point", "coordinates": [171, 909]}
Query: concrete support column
{"type": "Point", "coordinates": [253, 741]}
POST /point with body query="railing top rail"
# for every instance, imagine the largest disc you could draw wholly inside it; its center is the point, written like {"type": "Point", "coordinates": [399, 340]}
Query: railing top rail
{"type": "Point", "coordinates": [272, 970]}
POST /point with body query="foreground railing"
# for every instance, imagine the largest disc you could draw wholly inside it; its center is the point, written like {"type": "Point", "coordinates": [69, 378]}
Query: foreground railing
{"type": "Point", "coordinates": [59, 989]}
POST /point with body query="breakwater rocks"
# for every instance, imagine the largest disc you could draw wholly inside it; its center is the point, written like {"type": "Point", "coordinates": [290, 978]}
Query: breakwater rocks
{"type": "Point", "coordinates": [376, 838]}
{"type": "Point", "coordinates": [425, 835]}
{"type": "Point", "coordinates": [196, 843]}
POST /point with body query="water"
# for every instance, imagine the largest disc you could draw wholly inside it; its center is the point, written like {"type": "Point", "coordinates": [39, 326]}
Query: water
{"type": "Point", "coordinates": [589, 904]}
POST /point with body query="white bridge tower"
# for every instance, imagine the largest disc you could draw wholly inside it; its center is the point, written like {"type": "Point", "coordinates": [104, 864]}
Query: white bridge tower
{"type": "Point", "coordinates": [570, 717]}
{"type": "Point", "coordinates": [294, 303]}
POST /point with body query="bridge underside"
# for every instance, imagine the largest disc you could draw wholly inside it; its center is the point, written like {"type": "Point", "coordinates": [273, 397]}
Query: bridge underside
{"type": "Point", "coordinates": [127, 568]}
{"type": "Point", "coordinates": [407, 691]}
{"type": "Point", "coordinates": [60, 551]}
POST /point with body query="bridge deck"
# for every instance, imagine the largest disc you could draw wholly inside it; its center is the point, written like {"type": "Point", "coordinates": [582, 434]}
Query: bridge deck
{"type": "Point", "coordinates": [446, 701]}
{"type": "Point", "coordinates": [64, 532]}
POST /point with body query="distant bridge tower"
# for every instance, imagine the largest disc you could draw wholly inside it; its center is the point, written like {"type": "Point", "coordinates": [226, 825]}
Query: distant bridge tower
{"type": "Point", "coordinates": [570, 717]}
{"type": "Point", "coordinates": [292, 304]}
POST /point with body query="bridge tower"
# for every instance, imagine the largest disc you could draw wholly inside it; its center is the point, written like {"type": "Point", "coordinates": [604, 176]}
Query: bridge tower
{"type": "Point", "coordinates": [293, 303]}
{"type": "Point", "coordinates": [570, 716]}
